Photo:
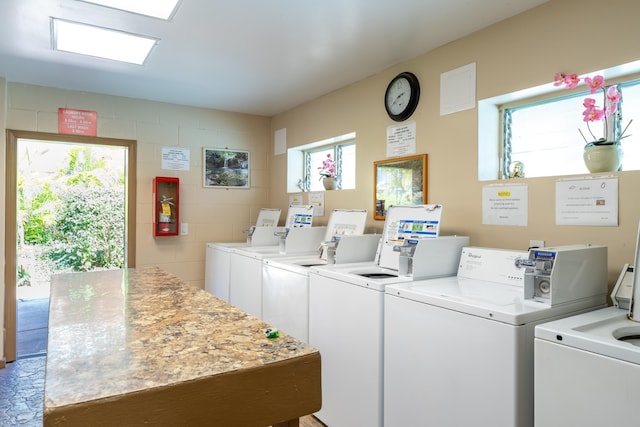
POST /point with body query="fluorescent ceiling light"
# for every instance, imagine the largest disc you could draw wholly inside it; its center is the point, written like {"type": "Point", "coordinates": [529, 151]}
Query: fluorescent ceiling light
{"type": "Point", "coordinates": [162, 9]}
{"type": "Point", "coordinates": [89, 40]}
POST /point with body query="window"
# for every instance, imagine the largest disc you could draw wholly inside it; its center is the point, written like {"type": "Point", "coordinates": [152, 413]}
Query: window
{"type": "Point", "coordinates": [543, 135]}
{"type": "Point", "coordinates": [305, 162]}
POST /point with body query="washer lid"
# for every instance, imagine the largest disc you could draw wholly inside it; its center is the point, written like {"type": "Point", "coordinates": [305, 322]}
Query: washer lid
{"type": "Point", "coordinates": [404, 223]}
{"type": "Point", "coordinates": [597, 331]}
{"type": "Point", "coordinates": [268, 217]}
{"type": "Point", "coordinates": [621, 294]}
{"type": "Point", "coordinates": [299, 216]}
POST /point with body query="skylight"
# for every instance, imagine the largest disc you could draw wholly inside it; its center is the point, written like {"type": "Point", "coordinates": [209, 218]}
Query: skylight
{"type": "Point", "coordinates": [101, 42]}
{"type": "Point", "coordinates": [162, 9]}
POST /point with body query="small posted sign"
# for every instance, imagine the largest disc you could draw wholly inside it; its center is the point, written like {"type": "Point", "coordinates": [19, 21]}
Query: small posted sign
{"type": "Point", "coordinates": [77, 122]}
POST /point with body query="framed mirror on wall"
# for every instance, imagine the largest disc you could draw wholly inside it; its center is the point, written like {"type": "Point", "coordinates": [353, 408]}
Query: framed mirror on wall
{"type": "Point", "coordinates": [399, 181]}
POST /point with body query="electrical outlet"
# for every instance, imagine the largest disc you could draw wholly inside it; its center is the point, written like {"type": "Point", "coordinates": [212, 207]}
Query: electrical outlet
{"type": "Point", "coordinates": [536, 243]}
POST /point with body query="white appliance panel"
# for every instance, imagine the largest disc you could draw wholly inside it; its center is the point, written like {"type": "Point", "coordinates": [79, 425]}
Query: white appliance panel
{"type": "Point", "coordinates": [245, 284]}
{"type": "Point", "coordinates": [345, 324]}
{"type": "Point", "coordinates": [285, 300]}
{"type": "Point", "coordinates": [432, 354]}
{"type": "Point", "coordinates": [216, 276]}
{"type": "Point", "coordinates": [574, 387]}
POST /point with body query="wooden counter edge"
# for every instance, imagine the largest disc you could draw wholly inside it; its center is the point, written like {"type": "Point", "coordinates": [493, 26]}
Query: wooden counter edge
{"type": "Point", "coordinates": [277, 393]}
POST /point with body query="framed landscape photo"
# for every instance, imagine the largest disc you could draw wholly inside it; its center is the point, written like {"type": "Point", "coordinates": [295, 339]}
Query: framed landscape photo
{"type": "Point", "coordinates": [225, 168]}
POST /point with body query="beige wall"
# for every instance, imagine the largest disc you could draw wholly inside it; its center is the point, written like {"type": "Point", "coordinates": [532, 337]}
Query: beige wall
{"type": "Point", "coordinates": [212, 214]}
{"type": "Point", "coordinates": [518, 53]}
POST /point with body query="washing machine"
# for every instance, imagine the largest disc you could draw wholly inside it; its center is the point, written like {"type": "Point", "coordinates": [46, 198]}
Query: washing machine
{"type": "Point", "coordinates": [245, 265]}
{"type": "Point", "coordinates": [285, 283]}
{"type": "Point", "coordinates": [346, 312]}
{"type": "Point", "coordinates": [285, 280]}
{"type": "Point", "coordinates": [458, 351]}
{"type": "Point", "coordinates": [587, 367]}
{"type": "Point", "coordinates": [218, 254]}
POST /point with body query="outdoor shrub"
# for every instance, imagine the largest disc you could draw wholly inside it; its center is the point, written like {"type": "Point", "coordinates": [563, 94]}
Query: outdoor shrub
{"type": "Point", "coordinates": [88, 234]}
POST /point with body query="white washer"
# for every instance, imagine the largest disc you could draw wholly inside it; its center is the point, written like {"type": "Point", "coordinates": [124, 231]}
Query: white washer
{"type": "Point", "coordinates": [245, 266]}
{"type": "Point", "coordinates": [216, 268]}
{"type": "Point", "coordinates": [346, 318]}
{"type": "Point", "coordinates": [587, 367]}
{"type": "Point", "coordinates": [285, 280]}
{"type": "Point", "coordinates": [218, 254]}
{"type": "Point", "coordinates": [285, 284]}
{"type": "Point", "coordinates": [459, 350]}
{"type": "Point", "coordinates": [584, 376]}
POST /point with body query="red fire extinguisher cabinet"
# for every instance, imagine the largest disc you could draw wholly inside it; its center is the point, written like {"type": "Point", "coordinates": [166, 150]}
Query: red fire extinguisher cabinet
{"type": "Point", "coordinates": [166, 202]}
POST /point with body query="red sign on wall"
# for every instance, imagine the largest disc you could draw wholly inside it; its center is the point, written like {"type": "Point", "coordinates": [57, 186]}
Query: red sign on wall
{"type": "Point", "coordinates": [77, 122]}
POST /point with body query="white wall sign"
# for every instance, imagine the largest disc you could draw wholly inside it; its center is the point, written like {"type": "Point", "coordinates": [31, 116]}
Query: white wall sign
{"type": "Point", "coordinates": [280, 141]}
{"type": "Point", "coordinates": [587, 201]}
{"type": "Point", "coordinates": [505, 204]}
{"type": "Point", "coordinates": [174, 158]}
{"type": "Point", "coordinates": [458, 89]}
{"type": "Point", "coordinates": [401, 140]}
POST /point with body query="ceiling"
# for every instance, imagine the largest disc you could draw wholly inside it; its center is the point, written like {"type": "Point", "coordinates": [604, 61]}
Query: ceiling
{"type": "Point", "coordinates": [251, 56]}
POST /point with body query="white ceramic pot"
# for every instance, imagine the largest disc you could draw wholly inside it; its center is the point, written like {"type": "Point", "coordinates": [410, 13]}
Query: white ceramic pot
{"type": "Point", "coordinates": [329, 183]}
{"type": "Point", "coordinates": [603, 158]}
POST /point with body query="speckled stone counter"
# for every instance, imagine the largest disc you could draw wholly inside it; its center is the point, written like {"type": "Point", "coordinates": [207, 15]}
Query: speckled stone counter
{"type": "Point", "coordinates": [138, 346]}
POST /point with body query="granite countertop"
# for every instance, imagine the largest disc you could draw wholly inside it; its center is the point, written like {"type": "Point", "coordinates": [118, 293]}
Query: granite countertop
{"type": "Point", "coordinates": [118, 332]}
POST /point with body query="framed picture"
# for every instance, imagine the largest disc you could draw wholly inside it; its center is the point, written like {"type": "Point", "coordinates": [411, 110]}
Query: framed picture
{"type": "Point", "coordinates": [399, 181]}
{"type": "Point", "coordinates": [225, 168]}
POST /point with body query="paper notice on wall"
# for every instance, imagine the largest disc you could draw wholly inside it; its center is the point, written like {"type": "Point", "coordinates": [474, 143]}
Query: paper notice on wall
{"type": "Point", "coordinates": [401, 140]}
{"type": "Point", "coordinates": [174, 158]}
{"type": "Point", "coordinates": [295, 199]}
{"type": "Point", "coordinates": [587, 201]}
{"type": "Point", "coordinates": [505, 204]}
{"type": "Point", "coordinates": [316, 199]}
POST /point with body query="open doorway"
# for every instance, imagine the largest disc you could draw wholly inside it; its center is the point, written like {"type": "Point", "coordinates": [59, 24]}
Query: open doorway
{"type": "Point", "coordinates": [70, 207]}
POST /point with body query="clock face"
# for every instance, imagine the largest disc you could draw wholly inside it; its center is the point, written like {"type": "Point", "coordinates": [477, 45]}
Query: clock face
{"type": "Point", "coordinates": [402, 95]}
{"type": "Point", "coordinates": [398, 95]}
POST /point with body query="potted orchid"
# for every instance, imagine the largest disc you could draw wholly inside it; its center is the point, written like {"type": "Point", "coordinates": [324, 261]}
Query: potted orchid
{"type": "Point", "coordinates": [328, 172]}
{"type": "Point", "coordinates": [594, 112]}
{"type": "Point", "coordinates": [601, 154]}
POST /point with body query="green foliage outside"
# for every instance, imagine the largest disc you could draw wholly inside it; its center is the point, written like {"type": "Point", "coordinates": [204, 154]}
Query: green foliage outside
{"type": "Point", "coordinates": [71, 219]}
{"type": "Point", "coordinates": [88, 232]}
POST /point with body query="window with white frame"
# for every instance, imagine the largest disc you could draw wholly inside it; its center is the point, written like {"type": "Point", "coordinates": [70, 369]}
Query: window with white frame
{"type": "Point", "coordinates": [543, 135]}
{"type": "Point", "coordinates": [306, 162]}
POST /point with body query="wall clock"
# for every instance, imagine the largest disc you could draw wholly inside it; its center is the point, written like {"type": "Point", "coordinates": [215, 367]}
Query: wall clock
{"type": "Point", "coordinates": [402, 96]}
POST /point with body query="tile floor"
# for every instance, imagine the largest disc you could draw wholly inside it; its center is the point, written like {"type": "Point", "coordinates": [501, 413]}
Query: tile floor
{"type": "Point", "coordinates": [22, 381]}
{"type": "Point", "coordinates": [21, 392]}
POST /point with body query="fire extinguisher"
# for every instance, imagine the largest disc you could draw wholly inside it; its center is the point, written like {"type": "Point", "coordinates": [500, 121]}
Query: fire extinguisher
{"type": "Point", "coordinates": [165, 214]}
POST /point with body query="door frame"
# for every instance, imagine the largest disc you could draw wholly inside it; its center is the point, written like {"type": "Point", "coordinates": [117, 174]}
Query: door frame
{"type": "Point", "coordinates": [10, 243]}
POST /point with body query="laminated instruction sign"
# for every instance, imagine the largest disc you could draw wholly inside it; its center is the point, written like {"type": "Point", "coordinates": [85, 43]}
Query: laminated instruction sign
{"type": "Point", "coordinates": [587, 201]}
{"type": "Point", "coordinates": [401, 140]}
